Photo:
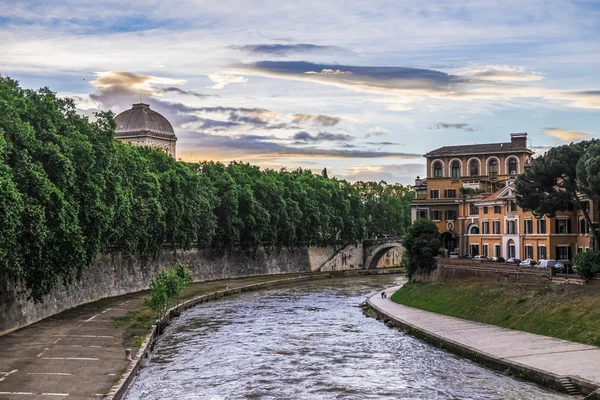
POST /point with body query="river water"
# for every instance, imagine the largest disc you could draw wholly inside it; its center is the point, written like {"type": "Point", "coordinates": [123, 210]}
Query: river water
{"type": "Point", "coordinates": [309, 342]}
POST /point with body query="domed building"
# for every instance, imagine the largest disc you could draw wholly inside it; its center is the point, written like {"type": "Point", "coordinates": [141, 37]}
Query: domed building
{"type": "Point", "coordinates": [141, 126]}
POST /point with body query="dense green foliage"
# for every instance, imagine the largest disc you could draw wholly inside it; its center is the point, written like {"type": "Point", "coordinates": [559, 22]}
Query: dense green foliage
{"type": "Point", "coordinates": [69, 191]}
{"type": "Point", "coordinates": [560, 178]}
{"type": "Point", "coordinates": [166, 288]}
{"type": "Point", "coordinates": [563, 311]}
{"type": "Point", "coordinates": [587, 264]}
{"type": "Point", "coordinates": [422, 245]}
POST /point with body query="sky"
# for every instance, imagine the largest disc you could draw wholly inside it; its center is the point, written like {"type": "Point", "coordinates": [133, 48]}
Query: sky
{"type": "Point", "coordinates": [363, 89]}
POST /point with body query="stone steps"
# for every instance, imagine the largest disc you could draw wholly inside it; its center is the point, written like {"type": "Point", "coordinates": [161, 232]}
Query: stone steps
{"type": "Point", "coordinates": [569, 386]}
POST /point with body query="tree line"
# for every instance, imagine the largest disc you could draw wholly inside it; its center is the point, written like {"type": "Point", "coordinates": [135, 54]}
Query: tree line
{"type": "Point", "coordinates": [69, 191]}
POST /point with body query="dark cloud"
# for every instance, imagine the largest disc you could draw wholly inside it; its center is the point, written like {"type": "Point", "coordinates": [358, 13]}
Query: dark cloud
{"type": "Point", "coordinates": [263, 145]}
{"type": "Point", "coordinates": [306, 137]}
{"type": "Point", "coordinates": [324, 120]}
{"type": "Point", "coordinates": [385, 143]}
{"type": "Point", "coordinates": [173, 89]}
{"type": "Point", "coordinates": [284, 49]}
{"type": "Point", "coordinates": [461, 126]}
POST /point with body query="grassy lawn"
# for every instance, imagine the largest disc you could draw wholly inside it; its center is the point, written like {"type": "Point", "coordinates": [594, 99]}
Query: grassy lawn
{"type": "Point", "coordinates": [562, 311]}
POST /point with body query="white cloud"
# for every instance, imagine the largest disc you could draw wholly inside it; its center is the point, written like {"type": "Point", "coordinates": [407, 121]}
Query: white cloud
{"type": "Point", "coordinates": [565, 135]}
{"type": "Point", "coordinates": [223, 80]}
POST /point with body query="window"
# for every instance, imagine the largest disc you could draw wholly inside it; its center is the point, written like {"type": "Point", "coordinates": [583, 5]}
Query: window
{"type": "Point", "coordinates": [562, 226]}
{"type": "Point", "coordinates": [497, 209]}
{"type": "Point", "coordinates": [474, 168]}
{"type": "Point", "coordinates": [496, 228]}
{"type": "Point", "coordinates": [528, 251]}
{"type": "Point", "coordinates": [541, 226]}
{"type": "Point", "coordinates": [422, 213]}
{"type": "Point", "coordinates": [485, 210]}
{"type": "Point", "coordinates": [493, 169]}
{"type": "Point", "coordinates": [474, 230]}
{"type": "Point", "coordinates": [563, 252]}
{"type": "Point", "coordinates": [485, 228]}
{"type": "Point", "coordinates": [474, 249]}
{"type": "Point", "coordinates": [579, 250]}
{"type": "Point", "coordinates": [496, 250]}
{"type": "Point", "coordinates": [473, 209]}
{"type": "Point", "coordinates": [541, 252]}
{"type": "Point", "coordinates": [450, 215]}
{"type": "Point", "coordinates": [528, 227]}
{"type": "Point", "coordinates": [583, 227]}
{"type": "Point", "coordinates": [437, 169]}
{"type": "Point", "coordinates": [450, 193]}
{"type": "Point", "coordinates": [512, 166]}
{"type": "Point", "coordinates": [512, 206]}
{"type": "Point", "coordinates": [434, 194]}
{"type": "Point", "coordinates": [485, 250]}
{"type": "Point", "coordinates": [455, 167]}
{"type": "Point", "coordinates": [436, 215]}
{"type": "Point", "coordinates": [510, 227]}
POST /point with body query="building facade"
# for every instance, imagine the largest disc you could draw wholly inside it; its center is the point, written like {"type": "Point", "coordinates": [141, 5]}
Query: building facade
{"type": "Point", "coordinates": [141, 126]}
{"type": "Point", "coordinates": [469, 193]}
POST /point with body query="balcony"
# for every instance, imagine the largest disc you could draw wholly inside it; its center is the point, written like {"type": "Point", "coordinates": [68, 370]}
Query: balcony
{"type": "Point", "coordinates": [475, 184]}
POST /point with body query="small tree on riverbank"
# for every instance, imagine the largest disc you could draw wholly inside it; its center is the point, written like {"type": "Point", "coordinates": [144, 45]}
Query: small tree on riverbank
{"type": "Point", "coordinates": [587, 264]}
{"type": "Point", "coordinates": [422, 244]}
{"type": "Point", "coordinates": [166, 289]}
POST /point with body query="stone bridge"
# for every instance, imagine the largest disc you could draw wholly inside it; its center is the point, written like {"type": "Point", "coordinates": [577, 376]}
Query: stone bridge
{"type": "Point", "coordinates": [363, 255]}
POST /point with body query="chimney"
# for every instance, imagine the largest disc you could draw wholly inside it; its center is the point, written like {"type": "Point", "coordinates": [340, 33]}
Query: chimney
{"type": "Point", "coordinates": [519, 138]}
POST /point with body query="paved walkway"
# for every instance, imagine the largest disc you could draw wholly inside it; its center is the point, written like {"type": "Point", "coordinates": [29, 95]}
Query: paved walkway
{"type": "Point", "coordinates": [80, 353]}
{"type": "Point", "coordinates": [559, 357]}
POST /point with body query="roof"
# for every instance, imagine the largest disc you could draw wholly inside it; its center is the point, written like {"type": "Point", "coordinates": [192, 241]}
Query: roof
{"type": "Point", "coordinates": [506, 147]}
{"type": "Point", "coordinates": [140, 120]}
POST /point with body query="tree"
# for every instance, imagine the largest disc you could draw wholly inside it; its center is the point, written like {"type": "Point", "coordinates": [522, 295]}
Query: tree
{"type": "Point", "coordinates": [553, 183]}
{"type": "Point", "coordinates": [421, 243]}
{"type": "Point", "coordinates": [587, 264]}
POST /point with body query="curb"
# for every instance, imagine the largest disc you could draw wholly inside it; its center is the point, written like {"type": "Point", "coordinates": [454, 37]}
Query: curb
{"type": "Point", "coordinates": [531, 374]}
{"type": "Point", "coordinates": [118, 391]}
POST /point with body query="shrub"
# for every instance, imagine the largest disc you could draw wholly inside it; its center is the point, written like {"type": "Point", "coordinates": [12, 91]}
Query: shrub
{"type": "Point", "coordinates": [422, 244]}
{"type": "Point", "coordinates": [587, 264]}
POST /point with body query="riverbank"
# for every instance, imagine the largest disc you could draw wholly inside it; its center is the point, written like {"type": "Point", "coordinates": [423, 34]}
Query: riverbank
{"type": "Point", "coordinates": [80, 353]}
{"type": "Point", "coordinates": [562, 311]}
{"type": "Point", "coordinates": [558, 364]}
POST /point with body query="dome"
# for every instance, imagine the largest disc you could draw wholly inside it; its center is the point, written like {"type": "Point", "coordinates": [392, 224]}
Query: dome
{"type": "Point", "coordinates": [140, 120]}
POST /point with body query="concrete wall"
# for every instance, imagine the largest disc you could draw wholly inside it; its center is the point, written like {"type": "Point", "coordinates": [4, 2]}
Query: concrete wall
{"type": "Point", "coordinates": [350, 257]}
{"type": "Point", "coordinates": [392, 258]}
{"type": "Point", "coordinates": [465, 273]}
{"type": "Point", "coordinates": [113, 275]}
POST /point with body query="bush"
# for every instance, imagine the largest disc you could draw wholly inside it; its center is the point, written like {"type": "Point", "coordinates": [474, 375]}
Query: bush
{"type": "Point", "coordinates": [587, 264]}
{"type": "Point", "coordinates": [166, 288]}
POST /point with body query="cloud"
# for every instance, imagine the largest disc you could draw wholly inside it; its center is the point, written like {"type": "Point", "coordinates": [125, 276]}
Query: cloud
{"type": "Point", "coordinates": [377, 131]}
{"type": "Point", "coordinates": [223, 80]}
{"type": "Point", "coordinates": [284, 49]}
{"type": "Point", "coordinates": [385, 143]}
{"type": "Point", "coordinates": [461, 126]}
{"type": "Point", "coordinates": [321, 137]}
{"type": "Point", "coordinates": [564, 135]}
{"type": "Point", "coordinates": [396, 173]}
{"type": "Point", "coordinates": [173, 89]}
{"type": "Point", "coordinates": [324, 120]}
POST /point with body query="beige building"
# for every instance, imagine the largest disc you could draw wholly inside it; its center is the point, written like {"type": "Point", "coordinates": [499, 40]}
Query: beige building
{"type": "Point", "coordinates": [141, 126]}
{"type": "Point", "coordinates": [469, 192]}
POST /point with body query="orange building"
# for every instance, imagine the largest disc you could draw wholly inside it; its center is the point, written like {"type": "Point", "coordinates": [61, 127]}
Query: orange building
{"type": "Point", "coordinates": [469, 192]}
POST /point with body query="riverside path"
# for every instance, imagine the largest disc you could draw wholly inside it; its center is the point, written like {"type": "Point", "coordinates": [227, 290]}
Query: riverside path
{"type": "Point", "coordinates": [541, 358]}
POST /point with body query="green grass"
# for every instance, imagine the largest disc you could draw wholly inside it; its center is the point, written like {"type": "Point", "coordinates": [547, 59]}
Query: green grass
{"type": "Point", "coordinates": [562, 311]}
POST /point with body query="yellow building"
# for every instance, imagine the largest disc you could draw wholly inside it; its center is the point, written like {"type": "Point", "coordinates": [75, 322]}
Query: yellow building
{"type": "Point", "coordinates": [469, 192]}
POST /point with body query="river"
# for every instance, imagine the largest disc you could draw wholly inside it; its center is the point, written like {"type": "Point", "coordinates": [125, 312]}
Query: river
{"type": "Point", "coordinates": [310, 342]}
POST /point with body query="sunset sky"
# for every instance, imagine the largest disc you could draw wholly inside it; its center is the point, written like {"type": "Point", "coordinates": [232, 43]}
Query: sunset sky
{"type": "Point", "coordinates": [363, 88]}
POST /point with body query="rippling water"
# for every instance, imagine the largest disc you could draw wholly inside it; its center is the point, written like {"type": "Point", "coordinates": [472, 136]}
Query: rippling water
{"type": "Point", "coordinates": [309, 342]}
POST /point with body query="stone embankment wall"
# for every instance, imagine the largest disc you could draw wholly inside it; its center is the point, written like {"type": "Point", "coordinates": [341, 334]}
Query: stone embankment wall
{"type": "Point", "coordinates": [453, 270]}
{"type": "Point", "coordinates": [113, 274]}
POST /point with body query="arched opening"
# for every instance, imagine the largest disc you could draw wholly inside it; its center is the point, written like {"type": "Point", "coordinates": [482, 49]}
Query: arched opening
{"type": "Point", "coordinates": [474, 230]}
{"type": "Point", "coordinates": [455, 169]}
{"type": "Point", "coordinates": [437, 169]}
{"type": "Point", "coordinates": [474, 168]}
{"type": "Point", "coordinates": [375, 255]}
{"type": "Point", "coordinates": [512, 166]}
{"type": "Point", "coordinates": [449, 242]}
{"type": "Point", "coordinates": [493, 168]}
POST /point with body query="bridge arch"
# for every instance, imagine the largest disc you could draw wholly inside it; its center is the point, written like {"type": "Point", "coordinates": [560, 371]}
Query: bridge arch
{"type": "Point", "coordinates": [374, 254]}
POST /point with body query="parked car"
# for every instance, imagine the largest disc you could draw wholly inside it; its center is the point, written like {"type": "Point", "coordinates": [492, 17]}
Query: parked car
{"type": "Point", "coordinates": [560, 267]}
{"type": "Point", "coordinates": [498, 259]}
{"type": "Point", "coordinates": [513, 260]}
{"type": "Point", "coordinates": [453, 255]}
{"type": "Point", "coordinates": [528, 262]}
{"type": "Point", "coordinates": [480, 258]}
{"type": "Point", "coordinates": [467, 256]}
{"type": "Point", "coordinates": [546, 264]}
